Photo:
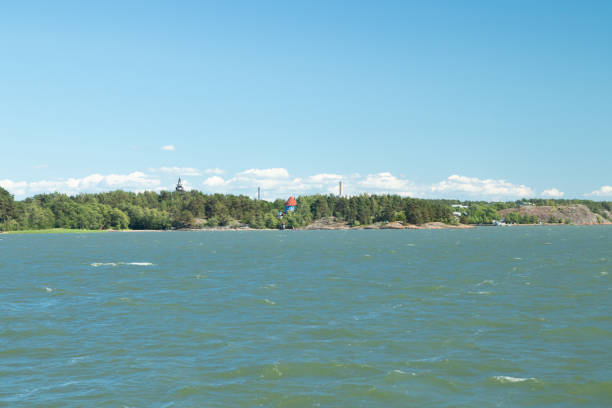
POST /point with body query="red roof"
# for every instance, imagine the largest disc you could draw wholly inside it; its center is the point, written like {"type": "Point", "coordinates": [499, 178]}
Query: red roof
{"type": "Point", "coordinates": [291, 202]}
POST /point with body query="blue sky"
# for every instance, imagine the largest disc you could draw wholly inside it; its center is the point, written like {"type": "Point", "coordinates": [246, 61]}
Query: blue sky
{"type": "Point", "coordinates": [472, 100]}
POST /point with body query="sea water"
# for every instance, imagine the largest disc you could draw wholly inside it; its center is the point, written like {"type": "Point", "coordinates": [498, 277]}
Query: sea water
{"type": "Point", "coordinates": [412, 318]}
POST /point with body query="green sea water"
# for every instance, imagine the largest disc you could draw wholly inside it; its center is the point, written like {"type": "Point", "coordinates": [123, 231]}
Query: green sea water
{"type": "Point", "coordinates": [489, 317]}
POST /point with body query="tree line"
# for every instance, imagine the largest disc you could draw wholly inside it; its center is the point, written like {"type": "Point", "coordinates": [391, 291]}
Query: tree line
{"type": "Point", "coordinates": [167, 210]}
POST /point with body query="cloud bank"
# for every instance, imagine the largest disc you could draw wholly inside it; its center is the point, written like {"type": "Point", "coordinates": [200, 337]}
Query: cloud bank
{"type": "Point", "coordinates": [604, 191]}
{"type": "Point", "coordinates": [137, 181]}
{"type": "Point", "coordinates": [179, 171]}
{"type": "Point", "coordinates": [278, 182]}
{"type": "Point", "coordinates": [475, 187]}
{"type": "Point", "coordinates": [553, 193]}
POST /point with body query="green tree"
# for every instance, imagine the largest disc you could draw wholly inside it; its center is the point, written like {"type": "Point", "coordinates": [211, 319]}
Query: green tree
{"type": "Point", "coordinates": [119, 219]}
{"type": "Point", "coordinates": [320, 208]}
{"type": "Point", "coordinates": [7, 205]}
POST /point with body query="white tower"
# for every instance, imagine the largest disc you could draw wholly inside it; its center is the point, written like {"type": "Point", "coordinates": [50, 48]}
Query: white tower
{"type": "Point", "coordinates": [340, 189]}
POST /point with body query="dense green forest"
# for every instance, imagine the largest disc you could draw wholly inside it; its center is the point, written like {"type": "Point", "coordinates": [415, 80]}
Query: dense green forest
{"type": "Point", "coordinates": [167, 210]}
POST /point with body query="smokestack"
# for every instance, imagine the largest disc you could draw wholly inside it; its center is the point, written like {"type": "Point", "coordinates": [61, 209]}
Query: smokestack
{"type": "Point", "coordinates": [258, 193]}
{"type": "Point", "coordinates": [340, 189]}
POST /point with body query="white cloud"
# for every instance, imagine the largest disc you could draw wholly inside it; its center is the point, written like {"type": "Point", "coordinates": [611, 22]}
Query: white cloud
{"type": "Point", "coordinates": [274, 183]}
{"type": "Point", "coordinates": [475, 187]}
{"type": "Point", "coordinates": [270, 179]}
{"type": "Point", "coordinates": [552, 192]}
{"type": "Point", "coordinates": [14, 187]}
{"type": "Point", "coordinates": [322, 183]}
{"type": "Point", "coordinates": [92, 183]}
{"type": "Point", "coordinates": [274, 173]}
{"type": "Point", "coordinates": [180, 171]}
{"type": "Point", "coordinates": [325, 177]}
{"type": "Point", "coordinates": [279, 183]}
{"type": "Point", "coordinates": [214, 171]}
{"type": "Point", "coordinates": [47, 186]}
{"type": "Point", "coordinates": [604, 191]}
{"type": "Point", "coordinates": [136, 178]}
{"type": "Point", "coordinates": [387, 183]}
{"type": "Point", "coordinates": [186, 171]}
{"type": "Point", "coordinates": [168, 147]}
{"type": "Point", "coordinates": [214, 181]}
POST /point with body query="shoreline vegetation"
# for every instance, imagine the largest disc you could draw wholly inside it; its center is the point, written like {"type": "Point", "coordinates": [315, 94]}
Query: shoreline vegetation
{"type": "Point", "coordinates": [388, 226]}
{"type": "Point", "coordinates": [56, 231]}
{"type": "Point", "coordinates": [429, 226]}
{"type": "Point", "coordinates": [194, 210]}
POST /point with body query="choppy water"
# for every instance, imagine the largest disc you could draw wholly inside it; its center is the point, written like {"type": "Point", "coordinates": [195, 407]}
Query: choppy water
{"type": "Point", "coordinates": [471, 318]}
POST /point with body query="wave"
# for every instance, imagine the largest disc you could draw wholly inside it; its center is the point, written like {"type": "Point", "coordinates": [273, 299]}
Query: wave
{"type": "Point", "coordinates": [295, 369]}
{"type": "Point", "coordinates": [401, 372]}
{"type": "Point", "coordinates": [504, 379]}
{"type": "Point", "coordinates": [98, 264]}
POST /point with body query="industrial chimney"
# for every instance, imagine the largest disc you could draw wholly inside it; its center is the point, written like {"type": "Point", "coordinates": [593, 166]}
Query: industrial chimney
{"type": "Point", "coordinates": [340, 189]}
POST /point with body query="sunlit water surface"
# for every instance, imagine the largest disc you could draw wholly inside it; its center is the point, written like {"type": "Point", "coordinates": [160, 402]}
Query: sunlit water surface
{"type": "Point", "coordinates": [441, 318]}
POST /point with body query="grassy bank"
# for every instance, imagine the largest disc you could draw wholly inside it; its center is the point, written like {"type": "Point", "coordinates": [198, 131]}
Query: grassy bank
{"type": "Point", "coordinates": [57, 231]}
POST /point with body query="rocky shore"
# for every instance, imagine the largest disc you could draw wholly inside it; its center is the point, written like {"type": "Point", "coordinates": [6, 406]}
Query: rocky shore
{"type": "Point", "coordinates": [576, 214]}
{"type": "Point", "coordinates": [332, 224]}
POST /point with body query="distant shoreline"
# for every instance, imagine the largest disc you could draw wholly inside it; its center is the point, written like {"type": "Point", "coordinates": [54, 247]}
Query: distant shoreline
{"type": "Point", "coordinates": [437, 226]}
{"type": "Point", "coordinates": [121, 210]}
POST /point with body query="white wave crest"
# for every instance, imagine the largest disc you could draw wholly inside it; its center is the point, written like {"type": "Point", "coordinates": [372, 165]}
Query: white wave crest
{"type": "Point", "coordinates": [97, 264]}
{"type": "Point", "coordinates": [402, 372]}
{"type": "Point", "coordinates": [508, 379]}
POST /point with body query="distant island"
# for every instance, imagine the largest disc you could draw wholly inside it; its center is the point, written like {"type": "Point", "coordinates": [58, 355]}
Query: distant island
{"type": "Point", "coordinates": [121, 210]}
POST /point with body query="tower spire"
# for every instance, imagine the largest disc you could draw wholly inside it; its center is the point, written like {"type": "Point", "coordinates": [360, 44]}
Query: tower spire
{"type": "Point", "coordinates": [179, 186]}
